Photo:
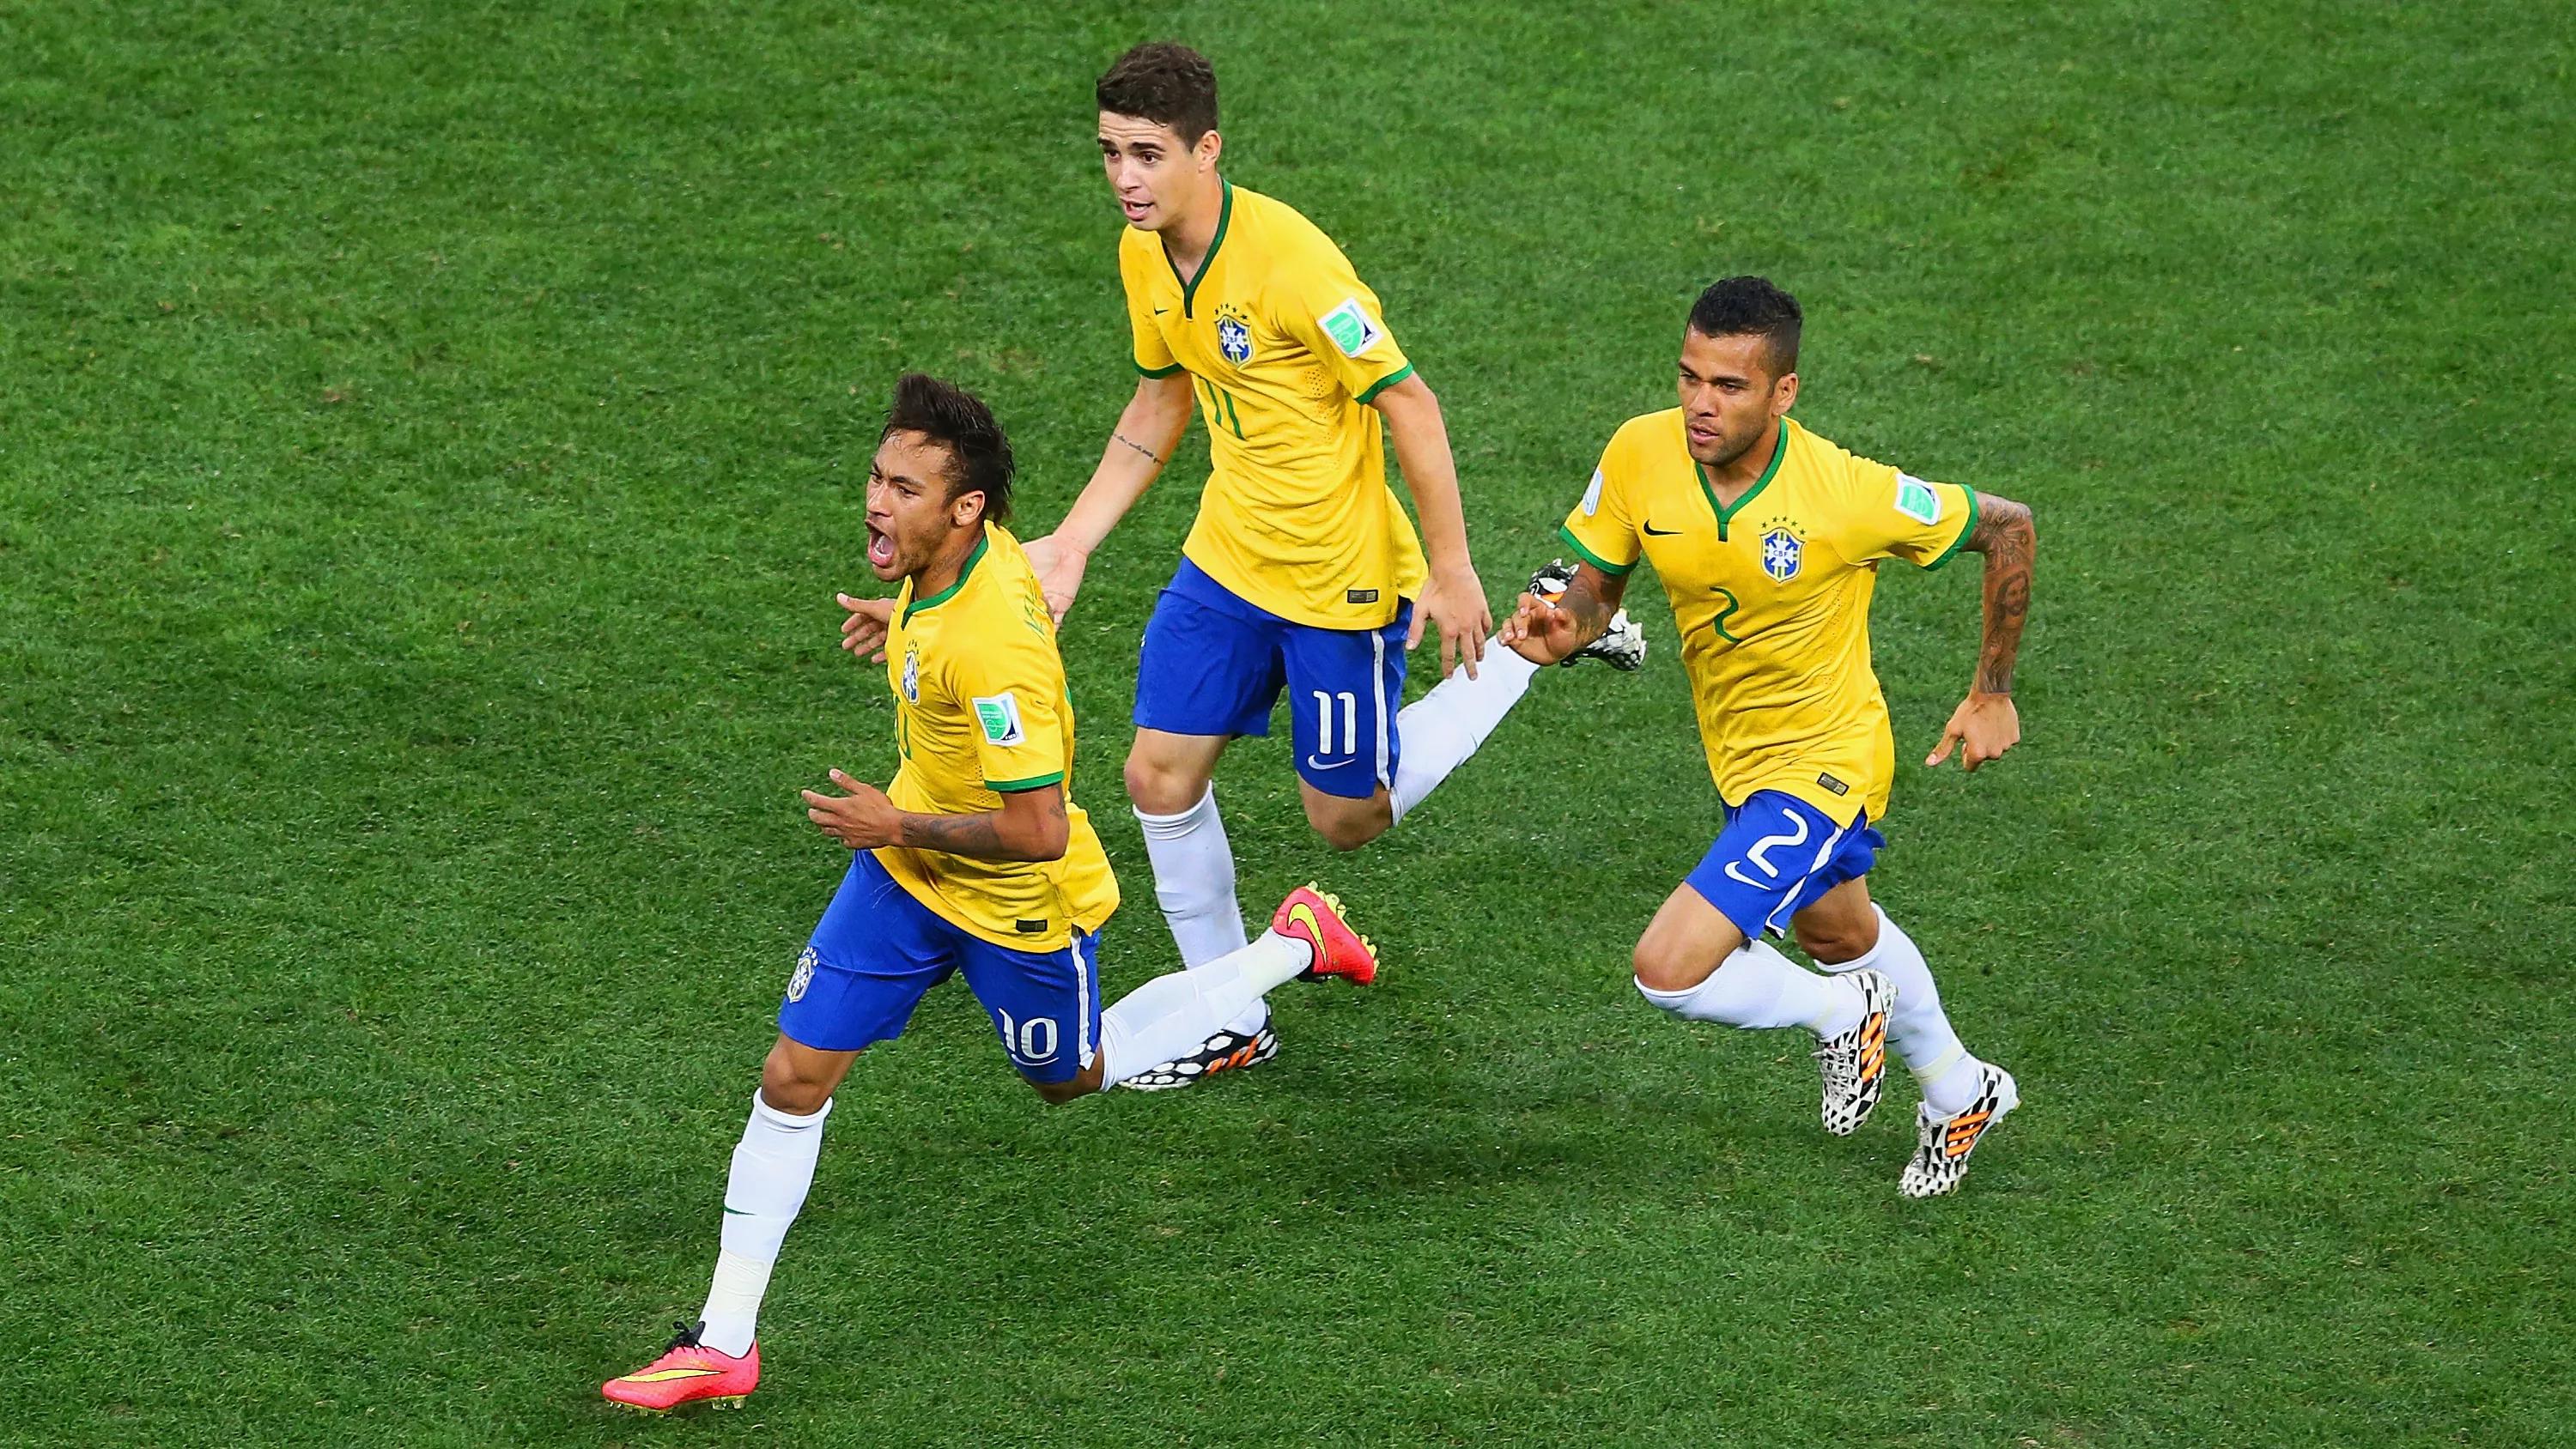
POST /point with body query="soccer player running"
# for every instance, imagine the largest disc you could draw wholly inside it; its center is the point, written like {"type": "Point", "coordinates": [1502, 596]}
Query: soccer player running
{"type": "Point", "coordinates": [1302, 571]}
{"type": "Point", "coordinates": [1768, 540]}
{"type": "Point", "coordinates": [974, 861]}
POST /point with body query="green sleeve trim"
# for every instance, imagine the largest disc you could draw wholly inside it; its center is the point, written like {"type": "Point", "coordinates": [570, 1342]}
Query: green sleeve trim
{"type": "Point", "coordinates": [1033, 782]}
{"type": "Point", "coordinates": [1388, 381]}
{"type": "Point", "coordinates": [1961, 541]}
{"type": "Point", "coordinates": [1594, 559]}
{"type": "Point", "coordinates": [1158, 371]}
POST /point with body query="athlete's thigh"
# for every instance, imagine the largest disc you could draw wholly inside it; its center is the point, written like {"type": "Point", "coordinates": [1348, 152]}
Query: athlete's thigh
{"type": "Point", "coordinates": [1045, 1005]}
{"type": "Point", "coordinates": [872, 956]}
{"type": "Point", "coordinates": [1777, 853]}
{"type": "Point", "coordinates": [1684, 942]}
{"type": "Point", "coordinates": [1207, 670]}
{"type": "Point", "coordinates": [1344, 688]}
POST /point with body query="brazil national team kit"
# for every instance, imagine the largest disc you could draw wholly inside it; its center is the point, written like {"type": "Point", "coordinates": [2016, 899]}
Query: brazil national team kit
{"type": "Point", "coordinates": [1300, 569]}
{"type": "Point", "coordinates": [980, 710]}
{"type": "Point", "coordinates": [1771, 599]}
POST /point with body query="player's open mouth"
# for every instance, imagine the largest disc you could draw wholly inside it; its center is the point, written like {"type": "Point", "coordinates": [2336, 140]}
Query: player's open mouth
{"type": "Point", "coordinates": [1136, 210]}
{"type": "Point", "coordinates": [880, 549]}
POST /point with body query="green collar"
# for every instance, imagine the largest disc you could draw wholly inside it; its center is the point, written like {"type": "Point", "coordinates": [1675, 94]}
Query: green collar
{"type": "Point", "coordinates": [1224, 217]}
{"type": "Point", "coordinates": [1779, 453]}
{"type": "Point", "coordinates": [963, 573]}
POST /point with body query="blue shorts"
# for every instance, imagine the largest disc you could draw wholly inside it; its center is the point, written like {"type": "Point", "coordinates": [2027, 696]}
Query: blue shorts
{"type": "Point", "coordinates": [1776, 855]}
{"type": "Point", "coordinates": [1213, 664]}
{"type": "Point", "coordinates": [878, 949]}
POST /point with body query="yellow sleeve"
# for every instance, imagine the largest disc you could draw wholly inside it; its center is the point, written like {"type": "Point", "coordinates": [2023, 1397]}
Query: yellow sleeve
{"type": "Point", "coordinates": [1893, 514]}
{"type": "Point", "coordinates": [1015, 688]}
{"type": "Point", "coordinates": [1317, 299]}
{"type": "Point", "coordinates": [1153, 356]}
{"type": "Point", "coordinates": [1601, 527]}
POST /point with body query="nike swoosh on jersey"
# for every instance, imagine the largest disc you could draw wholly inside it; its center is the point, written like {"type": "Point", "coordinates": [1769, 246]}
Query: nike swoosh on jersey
{"type": "Point", "coordinates": [1654, 532]}
{"type": "Point", "coordinates": [1315, 764]}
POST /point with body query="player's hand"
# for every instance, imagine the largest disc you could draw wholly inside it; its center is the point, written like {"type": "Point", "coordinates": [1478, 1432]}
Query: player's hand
{"type": "Point", "coordinates": [862, 820]}
{"type": "Point", "coordinates": [1059, 567]}
{"type": "Point", "coordinates": [1983, 727]}
{"type": "Point", "coordinates": [1455, 601]}
{"type": "Point", "coordinates": [864, 632]}
{"type": "Point", "coordinates": [1539, 631]}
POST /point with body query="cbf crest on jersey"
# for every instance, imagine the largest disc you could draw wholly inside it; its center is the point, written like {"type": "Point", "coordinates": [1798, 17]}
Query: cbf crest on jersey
{"type": "Point", "coordinates": [1781, 555]}
{"type": "Point", "coordinates": [912, 674]}
{"type": "Point", "coordinates": [1233, 334]}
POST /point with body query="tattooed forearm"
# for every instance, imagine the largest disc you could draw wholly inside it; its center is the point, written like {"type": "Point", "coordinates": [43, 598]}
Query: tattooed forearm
{"type": "Point", "coordinates": [2005, 535]}
{"type": "Point", "coordinates": [976, 835]}
{"type": "Point", "coordinates": [1590, 598]}
{"type": "Point", "coordinates": [1032, 827]}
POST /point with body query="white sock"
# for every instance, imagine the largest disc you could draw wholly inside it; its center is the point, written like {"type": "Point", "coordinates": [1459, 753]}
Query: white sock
{"type": "Point", "coordinates": [1758, 987]}
{"type": "Point", "coordinates": [1170, 1015]}
{"type": "Point", "coordinates": [1918, 1026]}
{"type": "Point", "coordinates": [1441, 729]}
{"type": "Point", "coordinates": [772, 1167]}
{"type": "Point", "coordinates": [1194, 884]}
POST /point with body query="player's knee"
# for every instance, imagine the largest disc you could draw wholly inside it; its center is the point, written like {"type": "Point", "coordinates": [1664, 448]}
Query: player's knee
{"type": "Point", "coordinates": [1665, 965]}
{"type": "Point", "coordinates": [1349, 824]}
{"type": "Point", "coordinates": [1080, 1084]}
{"type": "Point", "coordinates": [1158, 789]}
{"type": "Point", "coordinates": [1835, 943]}
{"type": "Point", "coordinates": [788, 1089]}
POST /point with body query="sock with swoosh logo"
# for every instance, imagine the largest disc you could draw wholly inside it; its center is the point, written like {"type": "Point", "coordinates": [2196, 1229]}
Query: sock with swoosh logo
{"type": "Point", "coordinates": [773, 1165]}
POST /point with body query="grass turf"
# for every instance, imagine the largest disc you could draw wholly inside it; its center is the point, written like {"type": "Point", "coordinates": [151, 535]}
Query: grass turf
{"type": "Point", "coordinates": [428, 445]}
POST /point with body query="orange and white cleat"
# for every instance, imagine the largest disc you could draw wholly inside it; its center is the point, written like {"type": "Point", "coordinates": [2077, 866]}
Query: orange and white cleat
{"type": "Point", "coordinates": [687, 1373]}
{"type": "Point", "coordinates": [1314, 917]}
{"type": "Point", "coordinates": [1943, 1143]}
{"type": "Point", "coordinates": [1854, 1064]}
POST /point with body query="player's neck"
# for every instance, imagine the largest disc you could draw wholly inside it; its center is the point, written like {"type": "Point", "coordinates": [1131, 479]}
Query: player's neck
{"type": "Point", "coordinates": [1731, 481]}
{"type": "Point", "coordinates": [948, 565]}
{"type": "Point", "coordinates": [1187, 240]}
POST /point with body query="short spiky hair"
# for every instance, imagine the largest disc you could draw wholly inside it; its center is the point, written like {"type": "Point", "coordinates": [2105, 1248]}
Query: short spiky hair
{"type": "Point", "coordinates": [1752, 307]}
{"type": "Point", "coordinates": [1165, 82]}
{"type": "Point", "coordinates": [979, 456]}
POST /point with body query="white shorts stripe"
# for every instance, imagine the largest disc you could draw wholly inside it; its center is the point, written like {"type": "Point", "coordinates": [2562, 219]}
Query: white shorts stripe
{"type": "Point", "coordinates": [1081, 1004]}
{"type": "Point", "coordinates": [1377, 687]}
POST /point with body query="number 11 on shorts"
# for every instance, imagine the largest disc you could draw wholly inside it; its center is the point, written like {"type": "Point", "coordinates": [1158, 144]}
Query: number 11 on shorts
{"type": "Point", "coordinates": [1324, 723]}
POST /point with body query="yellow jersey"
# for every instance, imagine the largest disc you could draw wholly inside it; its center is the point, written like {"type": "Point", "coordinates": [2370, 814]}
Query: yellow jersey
{"type": "Point", "coordinates": [1771, 598]}
{"type": "Point", "coordinates": [1285, 347]}
{"type": "Point", "coordinates": [980, 708]}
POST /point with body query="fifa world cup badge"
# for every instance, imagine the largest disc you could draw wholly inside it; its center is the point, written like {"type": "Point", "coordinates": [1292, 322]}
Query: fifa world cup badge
{"type": "Point", "coordinates": [1233, 335]}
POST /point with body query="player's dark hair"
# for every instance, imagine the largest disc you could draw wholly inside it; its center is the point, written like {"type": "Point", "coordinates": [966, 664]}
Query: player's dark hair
{"type": "Point", "coordinates": [1165, 82]}
{"type": "Point", "coordinates": [979, 456]}
{"type": "Point", "coordinates": [1752, 307]}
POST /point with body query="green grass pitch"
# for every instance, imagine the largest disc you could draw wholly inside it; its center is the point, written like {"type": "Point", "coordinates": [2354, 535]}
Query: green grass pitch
{"type": "Point", "coordinates": [430, 438]}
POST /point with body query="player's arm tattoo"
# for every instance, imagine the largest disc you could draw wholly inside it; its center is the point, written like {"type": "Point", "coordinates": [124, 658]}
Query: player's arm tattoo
{"type": "Point", "coordinates": [1036, 834]}
{"type": "Point", "coordinates": [1139, 447]}
{"type": "Point", "coordinates": [2004, 534]}
{"type": "Point", "coordinates": [1591, 597]}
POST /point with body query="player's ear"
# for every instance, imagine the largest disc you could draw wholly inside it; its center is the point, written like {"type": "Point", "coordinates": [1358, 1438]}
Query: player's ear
{"type": "Point", "coordinates": [1207, 149]}
{"type": "Point", "coordinates": [1784, 394]}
